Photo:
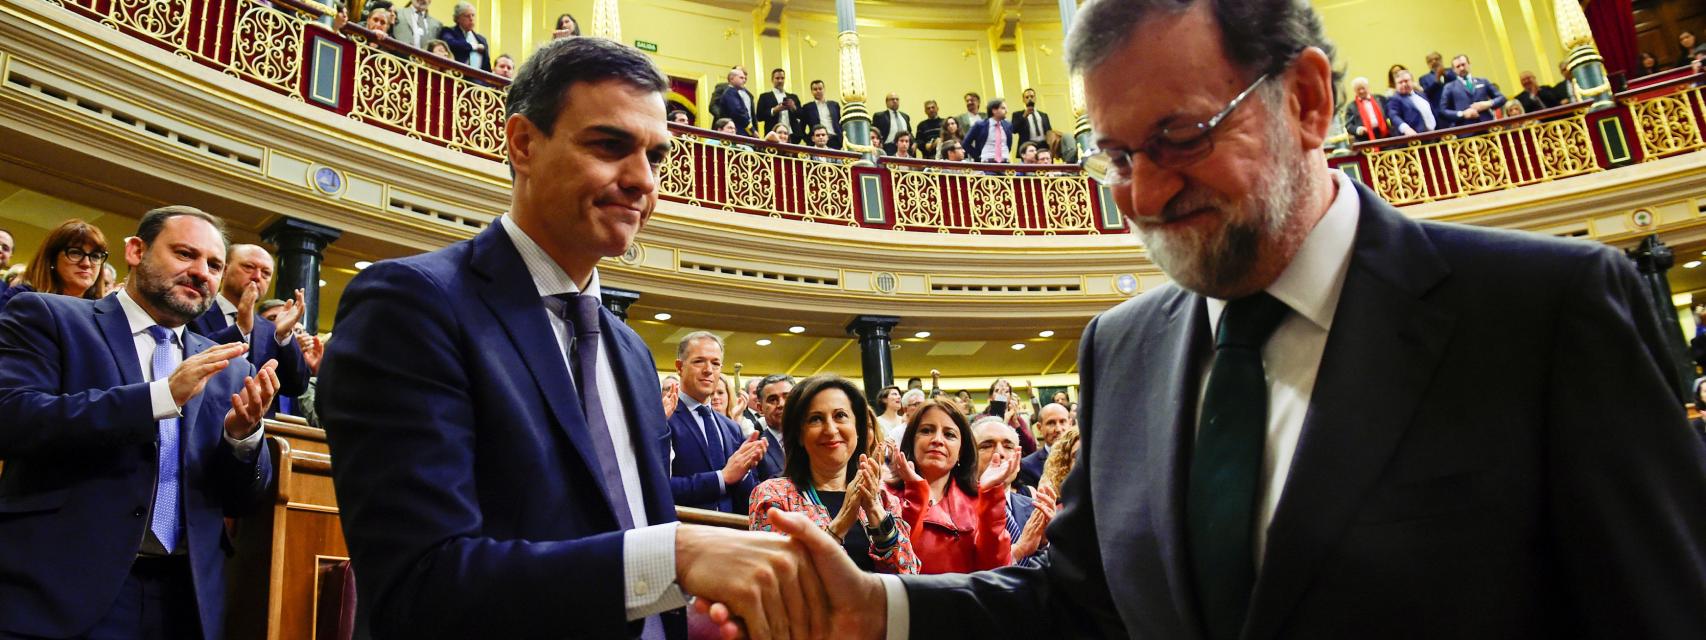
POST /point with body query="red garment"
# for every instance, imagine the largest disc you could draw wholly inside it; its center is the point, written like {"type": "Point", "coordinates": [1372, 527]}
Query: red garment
{"type": "Point", "coordinates": [1372, 118]}
{"type": "Point", "coordinates": [960, 534]}
{"type": "Point", "coordinates": [782, 494]}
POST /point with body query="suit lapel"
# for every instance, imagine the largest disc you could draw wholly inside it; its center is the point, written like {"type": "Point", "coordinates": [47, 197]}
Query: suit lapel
{"type": "Point", "coordinates": [1170, 409]}
{"type": "Point", "coordinates": [115, 328]}
{"type": "Point", "coordinates": [1356, 419]}
{"type": "Point", "coordinates": [514, 302]}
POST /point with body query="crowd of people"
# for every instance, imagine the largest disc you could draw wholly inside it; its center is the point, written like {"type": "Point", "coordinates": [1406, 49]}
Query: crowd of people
{"type": "Point", "coordinates": [410, 22]}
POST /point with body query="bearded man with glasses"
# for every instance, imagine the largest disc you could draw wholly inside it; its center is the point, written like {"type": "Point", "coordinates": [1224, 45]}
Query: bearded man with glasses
{"type": "Point", "coordinates": [1335, 422]}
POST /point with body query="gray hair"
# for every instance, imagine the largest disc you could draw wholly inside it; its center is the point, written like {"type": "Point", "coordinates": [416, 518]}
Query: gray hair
{"type": "Point", "coordinates": [911, 395]}
{"type": "Point", "coordinates": [461, 8]}
{"type": "Point", "coordinates": [1260, 36]}
{"type": "Point", "coordinates": [681, 347]}
{"type": "Point", "coordinates": [990, 420]}
{"type": "Point", "coordinates": [773, 379]}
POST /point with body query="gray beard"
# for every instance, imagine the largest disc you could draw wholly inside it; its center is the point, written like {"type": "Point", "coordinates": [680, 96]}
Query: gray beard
{"type": "Point", "coordinates": [156, 288]}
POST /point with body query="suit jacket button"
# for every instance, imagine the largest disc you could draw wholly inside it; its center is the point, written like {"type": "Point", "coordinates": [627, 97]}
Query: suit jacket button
{"type": "Point", "coordinates": [138, 512]}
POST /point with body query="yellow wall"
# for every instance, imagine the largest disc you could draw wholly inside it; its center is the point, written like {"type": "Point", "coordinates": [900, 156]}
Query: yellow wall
{"type": "Point", "coordinates": [1499, 37]}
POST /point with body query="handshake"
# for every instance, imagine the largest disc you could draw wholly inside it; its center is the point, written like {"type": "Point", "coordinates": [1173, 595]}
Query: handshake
{"type": "Point", "coordinates": [764, 585]}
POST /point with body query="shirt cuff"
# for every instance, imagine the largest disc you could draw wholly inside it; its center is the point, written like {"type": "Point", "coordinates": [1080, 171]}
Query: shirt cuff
{"type": "Point", "coordinates": [648, 569]}
{"type": "Point", "coordinates": [722, 486]}
{"type": "Point", "coordinates": [900, 607]}
{"type": "Point", "coordinates": [160, 400]}
{"type": "Point", "coordinates": [244, 449]}
{"type": "Point", "coordinates": [287, 338]}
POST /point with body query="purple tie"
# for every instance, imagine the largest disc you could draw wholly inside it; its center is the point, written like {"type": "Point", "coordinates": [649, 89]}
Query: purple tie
{"type": "Point", "coordinates": [582, 315]}
{"type": "Point", "coordinates": [164, 524]}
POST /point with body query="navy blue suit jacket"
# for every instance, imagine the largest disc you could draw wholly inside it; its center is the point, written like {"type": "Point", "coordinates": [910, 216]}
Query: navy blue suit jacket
{"type": "Point", "coordinates": [465, 473]}
{"type": "Point", "coordinates": [1455, 97]}
{"type": "Point", "coordinates": [771, 465]}
{"type": "Point", "coordinates": [292, 369]}
{"type": "Point", "coordinates": [1400, 109]}
{"type": "Point", "coordinates": [735, 109]}
{"type": "Point", "coordinates": [979, 134]}
{"type": "Point", "coordinates": [80, 444]}
{"type": "Point", "coordinates": [1031, 466]}
{"type": "Point", "coordinates": [460, 49]}
{"type": "Point", "coordinates": [1486, 470]}
{"type": "Point", "coordinates": [1432, 85]}
{"type": "Point", "coordinates": [693, 474]}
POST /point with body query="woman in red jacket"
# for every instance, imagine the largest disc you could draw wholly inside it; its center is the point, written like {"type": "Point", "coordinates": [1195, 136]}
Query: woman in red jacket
{"type": "Point", "coordinates": [959, 521]}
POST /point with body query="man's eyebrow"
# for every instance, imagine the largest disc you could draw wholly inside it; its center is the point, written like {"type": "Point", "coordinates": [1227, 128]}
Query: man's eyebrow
{"type": "Point", "coordinates": [612, 131]}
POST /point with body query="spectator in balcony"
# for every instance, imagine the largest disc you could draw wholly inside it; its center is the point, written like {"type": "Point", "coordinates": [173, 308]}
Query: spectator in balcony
{"type": "Point", "coordinates": [890, 122]}
{"type": "Point", "coordinates": [823, 113]}
{"type": "Point", "coordinates": [1408, 111]}
{"type": "Point", "coordinates": [1685, 48]}
{"type": "Point", "coordinates": [903, 146]}
{"type": "Point", "coordinates": [1027, 153]}
{"type": "Point", "coordinates": [1392, 79]}
{"type": "Point", "coordinates": [414, 27]}
{"type": "Point", "coordinates": [504, 66]}
{"type": "Point", "coordinates": [379, 22]}
{"type": "Point", "coordinates": [1535, 97]}
{"type": "Point", "coordinates": [1365, 116]}
{"type": "Point", "coordinates": [735, 103]}
{"type": "Point", "coordinates": [929, 129]}
{"type": "Point", "coordinates": [1031, 125]}
{"type": "Point", "coordinates": [971, 115]}
{"type": "Point", "coordinates": [1434, 81]}
{"type": "Point", "coordinates": [820, 136]}
{"type": "Point", "coordinates": [439, 48]}
{"type": "Point", "coordinates": [725, 125]}
{"type": "Point", "coordinates": [780, 134]}
{"type": "Point", "coordinates": [1044, 156]}
{"type": "Point", "coordinates": [1467, 99]}
{"type": "Point", "coordinates": [1564, 90]}
{"type": "Point", "coordinates": [467, 46]}
{"type": "Point", "coordinates": [1649, 65]}
{"type": "Point", "coordinates": [1513, 109]}
{"type": "Point", "coordinates": [951, 132]}
{"type": "Point", "coordinates": [68, 263]}
{"type": "Point", "coordinates": [991, 140]}
{"type": "Point", "coordinates": [778, 107]}
{"type": "Point", "coordinates": [681, 116]}
{"type": "Point", "coordinates": [567, 26]}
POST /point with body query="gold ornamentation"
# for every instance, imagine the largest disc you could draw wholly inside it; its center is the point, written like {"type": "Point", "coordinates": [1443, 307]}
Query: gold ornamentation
{"type": "Point", "coordinates": [606, 20]}
{"type": "Point", "coordinates": [1398, 175]}
{"type": "Point", "coordinates": [478, 112]}
{"type": "Point", "coordinates": [992, 204]}
{"type": "Point", "coordinates": [676, 177]}
{"type": "Point", "coordinates": [1666, 125]}
{"type": "Point", "coordinates": [828, 190]}
{"type": "Point", "coordinates": [154, 18]}
{"type": "Point", "coordinates": [852, 68]}
{"type": "Point", "coordinates": [268, 47]}
{"type": "Point", "coordinates": [1573, 28]}
{"type": "Point", "coordinates": [1480, 164]}
{"type": "Point", "coordinates": [1067, 201]}
{"type": "Point", "coordinates": [750, 180]}
{"type": "Point", "coordinates": [385, 88]}
{"type": "Point", "coordinates": [1565, 148]}
{"type": "Point", "coordinates": [917, 200]}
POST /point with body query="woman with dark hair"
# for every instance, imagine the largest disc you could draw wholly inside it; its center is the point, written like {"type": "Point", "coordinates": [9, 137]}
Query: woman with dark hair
{"type": "Point", "coordinates": [567, 26]}
{"type": "Point", "coordinates": [68, 263]}
{"type": "Point", "coordinates": [888, 404]}
{"type": "Point", "coordinates": [1004, 404]}
{"type": "Point", "coordinates": [959, 519]}
{"type": "Point", "coordinates": [950, 131]}
{"type": "Point", "coordinates": [1649, 65]}
{"type": "Point", "coordinates": [826, 431]}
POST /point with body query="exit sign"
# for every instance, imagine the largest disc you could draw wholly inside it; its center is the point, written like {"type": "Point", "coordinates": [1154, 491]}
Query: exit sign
{"type": "Point", "coordinates": [646, 46]}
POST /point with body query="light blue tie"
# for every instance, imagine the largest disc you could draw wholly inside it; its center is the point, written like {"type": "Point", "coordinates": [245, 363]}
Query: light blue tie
{"type": "Point", "coordinates": [165, 520]}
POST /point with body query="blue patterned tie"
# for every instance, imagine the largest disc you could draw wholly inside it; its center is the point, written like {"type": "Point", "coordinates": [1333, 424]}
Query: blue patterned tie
{"type": "Point", "coordinates": [165, 520]}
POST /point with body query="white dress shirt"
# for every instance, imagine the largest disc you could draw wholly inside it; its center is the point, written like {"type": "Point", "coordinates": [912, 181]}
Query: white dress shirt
{"type": "Point", "coordinates": [648, 552]}
{"type": "Point", "coordinates": [1423, 106]}
{"type": "Point", "coordinates": [823, 117]}
{"type": "Point", "coordinates": [1310, 287]}
{"type": "Point", "coordinates": [783, 115]}
{"type": "Point", "coordinates": [475, 56]}
{"type": "Point", "coordinates": [1036, 121]}
{"type": "Point", "coordinates": [160, 391]}
{"type": "Point", "coordinates": [897, 124]}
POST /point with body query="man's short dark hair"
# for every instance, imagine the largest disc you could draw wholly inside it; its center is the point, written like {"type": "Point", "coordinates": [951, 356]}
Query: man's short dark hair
{"type": "Point", "coordinates": [1029, 145]}
{"type": "Point", "coordinates": [773, 72]}
{"type": "Point", "coordinates": [994, 103]}
{"type": "Point", "coordinates": [818, 127]}
{"type": "Point", "coordinates": [773, 379]}
{"type": "Point", "coordinates": [1260, 36]}
{"type": "Point", "coordinates": [542, 84]}
{"type": "Point", "coordinates": [154, 221]}
{"type": "Point", "coordinates": [816, 82]}
{"type": "Point", "coordinates": [972, 94]}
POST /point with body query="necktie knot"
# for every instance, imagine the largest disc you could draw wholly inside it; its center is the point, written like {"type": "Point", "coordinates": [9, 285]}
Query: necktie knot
{"type": "Point", "coordinates": [162, 335]}
{"type": "Point", "coordinates": [1248, 321]}
{"type": "Point", "coordinates": [580, 311]}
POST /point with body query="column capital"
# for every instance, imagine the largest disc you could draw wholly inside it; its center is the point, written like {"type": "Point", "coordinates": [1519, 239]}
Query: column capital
{"type": "Point", "coordinates": [618, 300]}
{"type": "Point", "coordinates": [1652, 255]}
{"type": "Point", "coordinates": [288, 232]}
{"type": "Point", "coordinates": [870, 326]}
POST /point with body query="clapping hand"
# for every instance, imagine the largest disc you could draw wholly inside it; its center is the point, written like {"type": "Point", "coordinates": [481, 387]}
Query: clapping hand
{"type": "Point", "coordinates": [246, 308]}
{"type": "Point", "coordinates": [288, 316]}
{"type": "Point", "coordinates": [1031, 538]}
{"type": "Point", "coordinates": [313, 350]}
{"type": "Point", "coordinates": [671, 397]}
{"type": "Point", "coordinates": [996, 474]}
{"type": "Point", "coordinates": [745, 458]}
{"type": "Point", "coordinates": [871, 497]}
{"type": "Point", "coordinates": [250, 403]}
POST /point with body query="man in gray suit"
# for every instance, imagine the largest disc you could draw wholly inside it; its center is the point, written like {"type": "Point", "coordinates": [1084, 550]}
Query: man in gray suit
{"type": "Point", "coordinates": [414, 27]}
{"type": "Point", "coordinates": [1337, 422]}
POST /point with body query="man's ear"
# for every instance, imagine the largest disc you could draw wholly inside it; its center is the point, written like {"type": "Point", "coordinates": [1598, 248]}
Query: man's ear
{"type": "Point", "coordinates": [1311, 80]}
{"type": "Point", "coordinates": [522, 139]}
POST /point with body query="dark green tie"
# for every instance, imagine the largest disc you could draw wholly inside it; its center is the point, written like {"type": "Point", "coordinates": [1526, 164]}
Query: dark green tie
{"type": "Point", "coordinates": [1226, 465]}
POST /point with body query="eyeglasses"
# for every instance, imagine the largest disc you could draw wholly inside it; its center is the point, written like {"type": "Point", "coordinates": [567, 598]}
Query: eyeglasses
{"type": "Point", "coordinates": [75, 255]}
{"type": "Point", "coordinates": [1170, 148]}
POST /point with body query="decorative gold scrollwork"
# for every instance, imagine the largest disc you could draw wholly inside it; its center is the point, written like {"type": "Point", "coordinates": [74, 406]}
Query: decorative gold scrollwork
{"type": "Point", "coordinates": [154, 18]}
{"type": "Point", "coordinates": [676, 177]}
{"type": "Point", "coordinates": [1565, 149]}
{"type": "Point", "coordinates": [479, 119]}
{"type": "Point", "coordinates": [917, 200]}
{"type": "Point", "coordinates": [1398, 175]}
{"type": "Point", "coordinates": [992, 203]}
{"type": "Point", "coordinates": [385, 87]}
{"type": "Point", "coordinates": [828, 190]}
{"type": "Point", "coordinates": [750, 180]}
{"type": "Point", "coordinates": [1666, 126]}
{"type": "Point", "coordinates": [1480, 164]}
{"type": "Point", "coordinates": [1067, 201]}
{"type": "Point", "coordinates": [268, 47]}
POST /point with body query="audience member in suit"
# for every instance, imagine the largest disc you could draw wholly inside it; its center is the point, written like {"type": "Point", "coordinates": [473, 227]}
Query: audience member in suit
{"type": "Point", "coordinates": [493, 481]}
{"type": "Point", "coordinates": [972, 115]}
{"type": "Point", "coordinates": [1051, 422]}
{"type": "Point", "coordinates": [735, 103]}
{"type": "Point", "coordinates": [824, 113]}
{"type": "Point", "coordinates": [777, 106]}
{"type": "Point", "coordinates": [991, 139]}
{"type": "Point", "coordinates": [1407, 109]}
{"type": "Point", "coordinates": [888, 123]}
{"type": "Point", "coordinates": [820, 137]}
{"type": "Point", "coordinates": [1535, 97]}
{"type": "Point", "coordinates": [1365, 116]}
{"type": "Point", "coordinates": [1434, 81]}
{"type": "Point", "coordinates": [414, 26]}
{"type": "Point", "coordinates": [1483, 469]}
{"type": "Point", "coordinates": [1025, 521]}
{"type": "Point", "coordinates": [466, 46]}
{"type": "Point", "coordinates": [67, 264]}
{"type": "Point", "coordinates": [127, 441]}
{"type": "Point", "coordinates": [1466, 100]}
{"type": "Point", "coordinates": [773, 393]}
{"type": "Point", "coordinates": [830, 480]}
{"type": "Point", "coordinates": [232, 318]}
{"type": "Point", "coordinates": [1031, 125]}
{"type": "Point", "coordinates": [751, 414]}
{"type": "Point", "coordinates": [928, 128]}
{"type": "Point", "coordinates": [713, 463]}
{"type": "Point", "coordinates": [1563, 89]}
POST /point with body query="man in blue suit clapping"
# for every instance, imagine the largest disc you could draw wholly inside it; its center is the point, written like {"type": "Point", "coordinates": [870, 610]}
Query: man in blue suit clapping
{"type": "Point", "coordinates": [713, 463]}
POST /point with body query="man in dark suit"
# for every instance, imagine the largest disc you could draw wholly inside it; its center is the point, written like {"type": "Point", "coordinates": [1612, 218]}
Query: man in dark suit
{"type": "Point", "coordinates": [1535, 97]}
{"type": "Point", "coordinates": [1334, 412]}
{"type": "Point", "coordinates": [1467, 99]}
{"type": "Point", "coordinates": [1365, 115]}
{"type": "Point", "coordinates": [712, 466]}
{"type": "Point", "coordinates": [466, 46]}
{"type": "Point", "coordinates": [735, 102]}
{"type": "Point", "coordinates": [820, 112]}
{"type": "Point", "coordinates": [1407, 111]}
{"type": "Point", "coordinates": [127, 441]}
{"type": "Point", "coordinates": [889, 122]}
{"type": "Point", "coordinates": [991, 139]}
{"type": "Point", "coordinates": [773, 400]}
{"type": "Point", "coordinates": [1434, 81]}
{"type": "Point", "coordinates": [1031, 125]}
{"type": "Point", "coordinates": [1051, 422]}
{"type": "Point", "coordinates": [777, 106]}
{"type": "Point", "coordinates": [502, 452]}
{"type": "Point", "coordinates": [232, 319]}
{"type": "Point", "coordinates": [928, 129]}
